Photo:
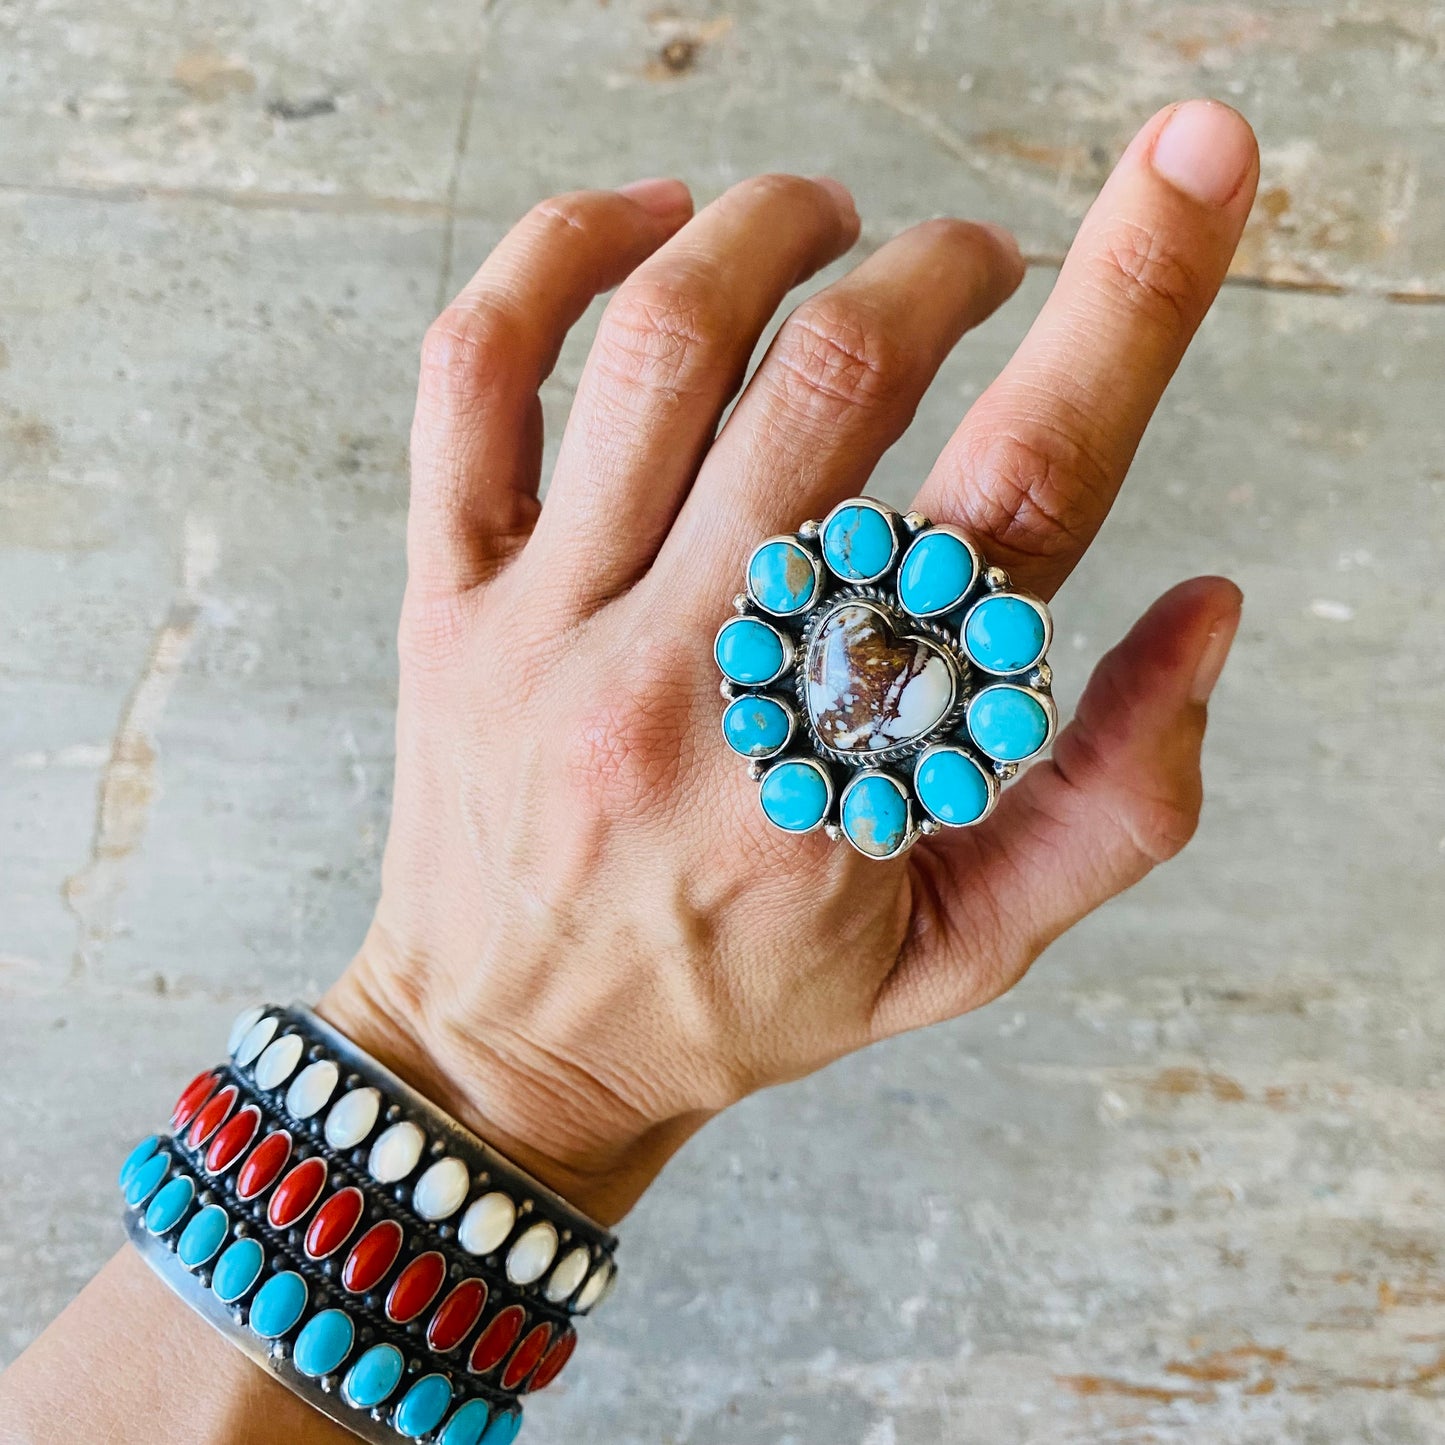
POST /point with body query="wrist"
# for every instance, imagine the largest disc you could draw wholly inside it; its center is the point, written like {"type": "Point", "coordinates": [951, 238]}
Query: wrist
{"type": "Point", "coordinates": [524, 1098]}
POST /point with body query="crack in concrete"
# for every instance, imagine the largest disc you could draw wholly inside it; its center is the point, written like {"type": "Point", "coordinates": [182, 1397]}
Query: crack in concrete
{"type": "Point", "coordinates": [129, 780]}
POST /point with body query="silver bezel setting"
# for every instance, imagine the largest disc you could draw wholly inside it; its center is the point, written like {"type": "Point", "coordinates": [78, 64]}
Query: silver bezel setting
{"type": "Point", "coordinates": [990, 779]}
{"type": "Point", "coordinates": [788, 709]}
{"type": "Point", "coordinates": [979, 569]}
{"type": "Point", "coordinates": [827, 783]}
{"type": "Point", "coordinates": [789, 651]}
{"type": "Point", "coordinates": [1038, 607]}
{"type": "Point", "coordinates": [809, 555]}
{"type": "Point", "coordinates": [870, 504]}
{"type": "Point", "coordinates": [1044, 699]}
{"type": "Point", "coordinates": [910, 829]}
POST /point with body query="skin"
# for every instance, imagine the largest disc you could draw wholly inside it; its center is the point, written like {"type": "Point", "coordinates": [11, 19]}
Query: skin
{"type": "Point", "coordinates": [588, 941]}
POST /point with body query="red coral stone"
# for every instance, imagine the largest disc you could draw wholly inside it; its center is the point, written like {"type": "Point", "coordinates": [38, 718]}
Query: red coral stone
{"type": "Point", "coordinates": [554, 1360]}
{"type": "Point", "coordinates": [297, 1192]}
{"type": "Point", "coordinates": [264, 1167]}
{"type": "Point", "coordinates": [334, 1222]}
{"type": "Point", "coordinates": [529, 1353]}
{"type": "Point", "coordinates": [212, 1117]}
{"type": "Point", "coordinates": [497, 1339]}
{"type": "Point", "coordinates": [459, 1311]}
{"type": "Point", "coordinates": [192, 1097]}
{"type": "Point", "coordinates": [232, 1140]}
{"type": "Point", "coordinates": [416, 1287]}
{"type": "Point", "coordinates": [374, 1254]}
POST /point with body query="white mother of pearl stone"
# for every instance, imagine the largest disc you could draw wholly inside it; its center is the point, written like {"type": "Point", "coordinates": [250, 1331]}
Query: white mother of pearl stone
{"type": "Point", "coordinates": [395, 1153]}
{"type": "Point", "coordinates": [594, 1289]}
{"type": "Point", "coordinates": [311, 1088]}
{"type": "Point", "coordinates": [487, 1223]}
{"type": "Point", "coordinates": [529, 1257]}
{"type": "Point", "coordinates": [279, 1061]}
{"type": "Point", "coordinates": [352, 1118]}
{"type": "Point", "coordinates": [568, 1275]}
{"type": "Point", "coordinates": [257, 1037]}
{"type": "Point", "coordinates": [442, 1190]}
{"type": "Point", "coordinates": [245, 1021]}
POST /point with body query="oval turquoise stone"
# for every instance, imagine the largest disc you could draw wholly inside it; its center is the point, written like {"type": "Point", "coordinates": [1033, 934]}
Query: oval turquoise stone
{"type": "Point", "coordinates": [936, 573]}
{"type": "Point", "coordinates": [279, 1303]}
{"type": "Point", "coordinates": [756, 727]}
{"type": "Point", "coordinates": [749, 651]}
{"type": "Point", "coordinates": [952, 787]}
{"type": "Point", "coordinates": [138, 1156]}
{"type": "Point", "coordinates": [167, 1208]}
{"type": "Point", "coordinates": [467, 1425]}
{"type": "Point", "coordinates": [237, 1270]}
{"type": "Point", "coordinates": [203, 1236]}
{"type": "Point", "coordinates": [423, 1406]}
{"type": "Point", "coordinates": [794, 796]}
{"type": "Point", "coordinates": [325, 1340]}
{"type": "Point", "coordinates": [147, 1179]}
{"type": "Point", "coordinates": [1007, 723]}
{"type": "Point", "coordinates": [374, 1376]}
{"type": "Point", "coordinates": [875, 815]}
{"type": "Point", "coordinates": [781, 578]}
{"type": "Point", "coordinates": [504, 1430]}
{"type": "Point", "coordinates": [858, 543]}
{"type": "Point", "coordinates": [1004, 634]}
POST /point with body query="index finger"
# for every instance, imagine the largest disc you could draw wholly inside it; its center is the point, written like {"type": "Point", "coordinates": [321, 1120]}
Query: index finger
{"type": "Point", "coordinates": [1035, 465]}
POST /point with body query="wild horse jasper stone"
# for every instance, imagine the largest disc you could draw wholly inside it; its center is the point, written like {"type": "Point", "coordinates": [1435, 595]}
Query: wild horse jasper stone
{"type": "Point", "coordinates": [870, 689]}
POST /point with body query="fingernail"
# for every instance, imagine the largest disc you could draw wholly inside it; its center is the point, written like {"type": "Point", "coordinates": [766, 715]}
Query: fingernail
{"type": "Point", "coordinates": [842, 198]}
{"type": "Point", "coordinates": [660, 195]}
{"type": "Point", "coordinates": [1205, 150]}
{"type": "Point", "coordinates": [1212, 659]}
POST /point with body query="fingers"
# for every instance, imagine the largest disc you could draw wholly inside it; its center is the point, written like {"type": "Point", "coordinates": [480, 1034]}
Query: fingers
{"type": "Point", "coordinates": [1035, 466]}
{"type": "Point", "coordinates": [1121, 794]}
{"type": "Point", "coordinates": [476, 437]}
{"type": "Point", "coordinates": [838, 387]}
{"type": "Point", "coordinates": [670, 353]}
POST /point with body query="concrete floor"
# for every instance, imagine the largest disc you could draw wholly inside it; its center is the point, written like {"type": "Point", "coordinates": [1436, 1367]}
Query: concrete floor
{"type": "Point", "coordinates": [1187, 1183]}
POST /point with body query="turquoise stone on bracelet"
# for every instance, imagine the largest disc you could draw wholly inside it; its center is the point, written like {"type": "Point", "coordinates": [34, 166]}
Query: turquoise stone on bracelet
{"type": "Point", "coordinates": [749, 652]}
{"type": "Point", "coordinates": [875, 814]}
{"type": "Point", "coordinates": [423, 1406]}
{"type": "Point", "coordinates": [373, 1378]}
{"type": "Point", "coordinates": [505, 1429]}
{"type": "Point", "coordinates": [324, 1342]}
{"type": "Point", "coordinates": [168, 1208]}
{"type": "Point", "coordinates": [203, 1237]}
{"type": "Point", "coordinates": [756, 727]}
{"type": "Point", "coordinates": [467, 1426]}
{"type": "Point", "coordinates": [858, 541]}
{"type": "Point", "coordinates": [237, 1270]}
{"type": "Point", "coordinates": [1005, 633]}
{"type": "Point", "coordinates": [138, 1156]}
{"type": "Point", "coordinates": [782, 578]}
{"type": "Point", "coordinates": [279, 1303]}
{"type": "Point", "coordinates": [1008, 723]}
{"type": "Point", "coordinates": [146, 1179]}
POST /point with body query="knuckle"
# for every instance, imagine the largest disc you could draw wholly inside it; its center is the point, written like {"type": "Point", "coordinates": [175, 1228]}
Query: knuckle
{"type": "Point", "coordinates": [564, 217]}
{"type": "Point", "coordinates": [1147, 276]}
{"type": "Point", "coordinates": [832, 358]}
{"type": "Point", "coordinates": [433, 632]}
{"type": "Point", "coordinates": [466, 350]}
{"type": "Point", "coordinates": [664, 332]}
{"type": "Point", "coordinates": [778, 188]}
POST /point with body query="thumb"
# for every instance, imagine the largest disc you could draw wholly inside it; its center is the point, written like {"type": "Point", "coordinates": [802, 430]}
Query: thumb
{"type": "Point", "coordinates": [1121, 794]}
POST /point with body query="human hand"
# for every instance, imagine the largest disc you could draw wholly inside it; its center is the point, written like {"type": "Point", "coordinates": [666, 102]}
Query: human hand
{"type": "Point", "coordinates": [589, 940]}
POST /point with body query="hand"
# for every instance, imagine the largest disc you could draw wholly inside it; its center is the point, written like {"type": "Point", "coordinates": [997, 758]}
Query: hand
{"type": "Point", "coordinates": [589, 941]}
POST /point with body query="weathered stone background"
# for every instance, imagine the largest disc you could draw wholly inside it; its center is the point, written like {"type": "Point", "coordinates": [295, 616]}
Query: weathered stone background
{"type": "Point", "coordinates": [1187, 1184]}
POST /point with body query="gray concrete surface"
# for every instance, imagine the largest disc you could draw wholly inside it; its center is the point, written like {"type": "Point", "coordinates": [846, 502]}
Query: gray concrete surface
{"type": "Point", "coordinates": [1187, 1183]}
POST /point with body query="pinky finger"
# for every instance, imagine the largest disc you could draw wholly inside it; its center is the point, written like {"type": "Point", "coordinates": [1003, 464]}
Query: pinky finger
{"type": "Point", "coordinates": [1120, 795]}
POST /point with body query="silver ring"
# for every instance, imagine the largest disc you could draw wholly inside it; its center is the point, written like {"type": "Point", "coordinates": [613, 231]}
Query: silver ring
{"type": "Point", "coordinates": [881, 679]}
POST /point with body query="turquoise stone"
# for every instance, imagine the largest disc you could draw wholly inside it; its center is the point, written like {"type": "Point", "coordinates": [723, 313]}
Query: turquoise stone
{"type": "Point", "coordinates": [794, 796]}
{"type": "Point", "coordinates": [374, 1376]}
{"type": "Point", "coordinates": [237, 1270]}
{"type": "Point", "coordinates": [279, 1303]}
{"type": "Point", "coordinates": [138, 1156]}
{"type": "Point", "coordinates": [1004, 634]}
{"type": "Point", "coordinates": [781, 578]}
{"type": "Point", "coordinates": [169, 1206]}
{"type": "Point", "coordinates": [749, 651]}
{"type": "Point", "coordinates": [875, 815]}
{"type": "Point", "coordinates": [325, 1340]}
{"type": "Point", "coordinates": [147, 1179]}
{"type": "Point", "coordinates": [504, 1430]}
{"type": "Point", "coordinates": [423, 1406]}
{"type": "Point", "coordinates": [936, 572]}
{"type": "Point", "coordinates": [467, 1425]}
{"type": "Point", "coordinates": [1007, 722]}
{"type": "Point", "coordinates": [756, 727]}
{"type": "Point", "coordinates": [952, 786]}
{"type": "Point", "coordinates": [203, 1236]}
{"type": "Point", "coordinates": [858, 543]}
